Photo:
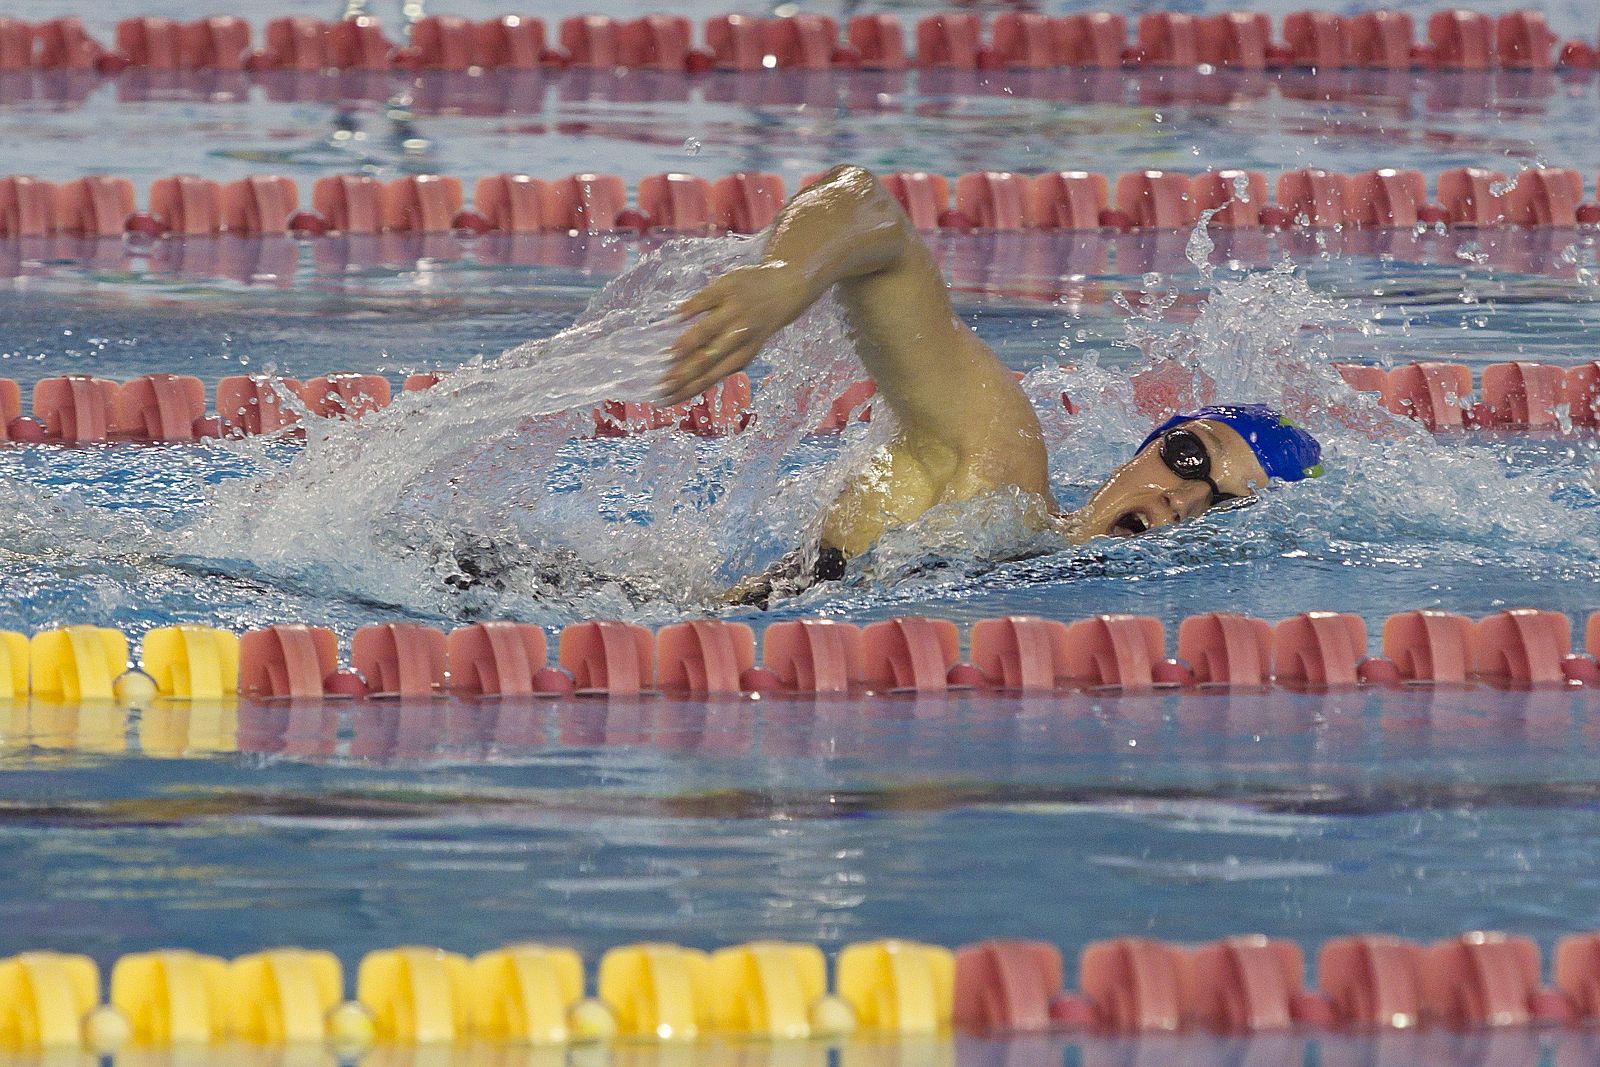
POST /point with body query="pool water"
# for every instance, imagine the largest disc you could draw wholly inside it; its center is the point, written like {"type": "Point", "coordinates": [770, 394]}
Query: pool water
{"type": "Point", "coordinates": [1420, 812]}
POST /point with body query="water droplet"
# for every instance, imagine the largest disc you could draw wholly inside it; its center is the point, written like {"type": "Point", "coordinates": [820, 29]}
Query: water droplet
{"type": "Point", "coordinates": [691, 146]}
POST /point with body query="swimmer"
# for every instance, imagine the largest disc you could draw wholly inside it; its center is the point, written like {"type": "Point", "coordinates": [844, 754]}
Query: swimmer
{"type": "Point", "coordinates": [965, 426]}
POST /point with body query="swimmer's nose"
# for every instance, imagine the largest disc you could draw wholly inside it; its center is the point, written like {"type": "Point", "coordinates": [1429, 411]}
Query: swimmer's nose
{"type": "Point", "coordinates": [1189, 499]}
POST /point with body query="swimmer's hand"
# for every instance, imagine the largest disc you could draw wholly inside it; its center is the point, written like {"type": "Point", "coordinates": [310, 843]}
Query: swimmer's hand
{"type": "Point", "coordinates": [733, 317]}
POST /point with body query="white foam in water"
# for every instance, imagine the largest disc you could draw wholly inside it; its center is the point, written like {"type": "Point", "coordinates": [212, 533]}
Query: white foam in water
{"type": "Point", "coordinates": [488, 472]}
{"type": "Point", "coordinates": [483, 496]}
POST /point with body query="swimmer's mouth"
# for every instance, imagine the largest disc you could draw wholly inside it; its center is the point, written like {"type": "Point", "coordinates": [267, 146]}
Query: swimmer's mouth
{"type": "Point", "coordinates": [1129, 524]}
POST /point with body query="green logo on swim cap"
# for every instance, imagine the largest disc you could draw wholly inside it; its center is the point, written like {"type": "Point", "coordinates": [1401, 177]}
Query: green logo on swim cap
{"type": "Point", "coordinates": [1314, 472]}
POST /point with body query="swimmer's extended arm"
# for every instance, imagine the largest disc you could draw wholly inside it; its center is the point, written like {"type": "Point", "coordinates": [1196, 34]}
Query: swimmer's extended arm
{"type": "Point", "coordinates": [965, 427]}
{"type": "Point", "coordinates": [944, 384]}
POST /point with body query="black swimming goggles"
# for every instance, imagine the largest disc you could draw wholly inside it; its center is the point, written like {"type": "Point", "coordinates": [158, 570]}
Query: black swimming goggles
{"type": "Point", "coordinates": [1185, 454]}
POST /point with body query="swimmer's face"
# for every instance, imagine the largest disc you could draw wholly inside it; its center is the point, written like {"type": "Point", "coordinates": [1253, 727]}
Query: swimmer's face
{"type": "Point", "coordinates": [1147, 493]}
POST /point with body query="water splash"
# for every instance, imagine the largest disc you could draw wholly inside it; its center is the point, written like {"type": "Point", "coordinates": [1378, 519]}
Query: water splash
{"type": "Point", "coordinates": [481, 495]}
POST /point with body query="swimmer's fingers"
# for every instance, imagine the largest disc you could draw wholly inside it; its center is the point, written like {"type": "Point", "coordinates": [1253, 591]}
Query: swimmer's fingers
{"type": "Point", "coordinates": [707, 372]}
{"type": "Point", "coordinates": [706, 299]}
{"type": "Point", "coordinates": [702, 332]}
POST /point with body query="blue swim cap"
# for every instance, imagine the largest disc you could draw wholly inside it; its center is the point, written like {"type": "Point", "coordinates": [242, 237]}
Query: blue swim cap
{"type": "Point", "coordinates": [1285, 450]}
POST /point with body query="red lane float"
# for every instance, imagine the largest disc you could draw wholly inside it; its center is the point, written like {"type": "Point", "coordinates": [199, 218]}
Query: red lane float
{"type": "Point", "coordinates": [1012, 987]}
{"type": "Point", "coordinates": [287, 662]}
{"type": "Point", "coordinates": [1455, 40]}
{"type": "Point", "coordinates": [1318, 649]}
{"type": "Point", "coordinates": [406, 660]}
{"type": "Point", "coordinates": [1372, 982]}
{"type": "Point", "coordinates": [814, 655]}
{"type": "Point", "coordinates": [704, 657]}
{"type": "Point", "coordinates": [1023, 653]}
{"type": "Point", "coordinates": [1137, 985]}
{"type": "Point", "coordinates": [500, 659]}
{"type": "Point", "coordinates": [744, 202]}
{"type": "Point", "coordinates": [1223, 648]}
{"type": "Point", "coordinates": [614, 658]}
{"type": "Point", "coordinates": [909, 654]}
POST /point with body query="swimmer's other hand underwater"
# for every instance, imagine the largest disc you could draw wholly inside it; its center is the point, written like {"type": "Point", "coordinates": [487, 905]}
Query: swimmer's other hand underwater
{"type": "Point", "coordinates": [965, 427]}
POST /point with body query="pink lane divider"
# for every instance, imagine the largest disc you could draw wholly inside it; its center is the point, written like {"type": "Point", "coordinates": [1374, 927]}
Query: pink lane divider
{"type": "Point", "coordinates": [1224, 648]}
{"type": "Point", "coordinates": [736, 42]}
{"type": "Point", "coordinates": [1237, 196]}
{"type": "Point", "coordinates": [1577, 974]}
{"type": "Point", "coordinates": [345, 395]}
{"type": "Point", "coordinates": [746, 202]}
{"type": "Point", "coordinates": [1250, 984]}
{"type": "Point", "coordinates": [401, 659]}
{"type": "Point", "coordinates": [149, 42]}
{"type": "Point", "coordinates": [994, 200]}
{"type": "Point", "coordinates": [1156, 199]}
{"type": "Point", "coordinates": [503, 659]}
{"type": "Point", "coordinates": [1372, 982]}
{"type": "Point", "coordinates": [445, 42]}
{"type": "Point", "coordinates": [1168, 39]}
{"type": "Point", "coordinates": [1581, 391]}
{"type": "Point", "coordinates": [1527, 647]}
{"type": "Point", "coordinates": [1396, 199]}
{"type": "Point", "coordinates": [878, 40]}
{"type": "Point", "coordinates": [657, 42]}
{"type": "Point", "coordinates": [1319, 39]}
{"type": "Point", "coordinates": [12, 425]}
{"type": "Point", "coordinates": [1068, 200]}
{"type": "Point", "coordinates": [925, 197]}
{"type": "Point", "coordinates": [680, 203]}
{"type": "Point", "coordinates": [704, 657]}
{"type": "Point", "coordinates": [588, 203]}
{"type": "Point", "coordinates": [949, 39]}
{"type": "Point", "coordinates": [251, 404]}
{"type": "Point", "coordinates": [187, 204]}
{"type": "Point", "coordinates": [1429, 646]}
{"type": "Point", "coordinates": [1095, 39]}
{"type": "Point", "coordinates": [1022, 652]}
{"type": "Point", "coordinates": [516, 42]}
{"type": "Point", "coordinates": [1544, 196]}
{"type": "Point", "coordinates": [1487, 979]}
{"type": "Point", "coordinates": [1027, 40]}
{"type": "Point", "coordinates": [1238, 39]}
{"type": "Point", "coordinates": [260, 204]}
{"type": "Point", "coordinates": [614, 658]}
{"type": "Point", "coordinates": [1315, 198]}
{"type": "Point", "coordinates": [1438, 395]}
{"type": "Point", "coordinates": [1461, 40]}
{"type": "Point", "coordinates": [294, 43]}
{"type": "Point", "coordinates": [16, 44]}
{"type": "Point", "coordinates": [854, 400]}
{"type": "Point", "coordinates": [287, 662]}
{"type": "Point", "coordinates": [1136, 985]}
{"type": "Point", "coordinates": [161, 407]}
{"type": "Point", "coordinates": [591, 40]}
{"type": "Point", "coordinates": [1119, 651]}
{"type": "Point", "coordinates": [421, 203]}
{"type": "Point", "coordinates": [1318, 649]}
{"type": "Point", "coordinates": [416, 383]}
{"type": "Point", "coordinates": [358, 43]}
{"type": "Point", "coordinates": [909, 654]}
{"type": "Point", "coordinates": [1473, 196]}
{"type": "Point", "coordinates": [218, 42]}
{"type": "Point", "coordinates": [64, 45]}
{"type": "Point", "coordinates": [1361, 378]}
{"type": "Point", "coordinates": [75, 408]}
{"type": "Point", "coordinates": [801, 41]}
{"type": "Point", "coordinates": [96, 206]}
{"type": "Point", "coordinates": [1522, 396]}
{"type": "Point", "coordinates": [812, 656]}
{"type": "Point", "coordinates": [351, 203]}
{"type": "Point", "coordinates": [1381, 39]}
{"type": "Point", "coordinates": [1009, 987]}
{"type": "Point", "coordinates": [514, 203]}
{"type": "Point", "coordinates": [27, 207]}
{"type": "Point", "coordinates": [1523, 41]}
